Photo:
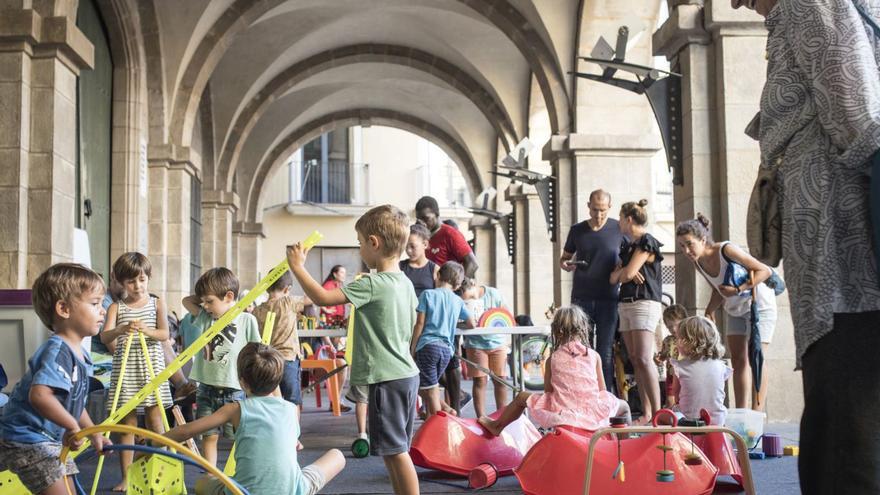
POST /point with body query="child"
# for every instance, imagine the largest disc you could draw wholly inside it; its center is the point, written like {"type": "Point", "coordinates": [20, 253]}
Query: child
{"type": "Point", "coordinates": [489, 351]}
{"type": "Point", "coordinates": [433, 337]}
{"type": "Point", "coordinates": [137, 312]}
{"type": "Point", "coordinates": [672, 316]}
{"type": "Point", "coordinates": [574, 387]}
{"type": "Point", "coordinates": [285, 338]}
{"type": "Point", "coordinates": [385, 316]}
{"type": "Point", "coordinates": [48, 405]}
{"type": "Point", "coordinates": [265, 458]}
{"type": "Point", "coordinates": [418, 268]}
{"type": "Point", "coordinates": [700, 370]}
{"type": "Point", "coordinates": [214, 367]}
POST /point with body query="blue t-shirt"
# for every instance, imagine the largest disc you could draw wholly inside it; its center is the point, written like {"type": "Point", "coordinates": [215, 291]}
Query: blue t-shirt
{"type": "Point", "coordinates": [491, 299]}
{"type": "Point", "coordinates": [188, 331]}
{"type": "Point", "coordinates": [600, 249]}
{"type": "Point", "coordinates": [442, 309]}
{"type": "Point", "coordinates": [57, 366]}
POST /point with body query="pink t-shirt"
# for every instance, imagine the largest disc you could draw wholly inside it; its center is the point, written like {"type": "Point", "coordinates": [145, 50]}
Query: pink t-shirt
{"type": "Point", "coordinates": [702, 387]}
{"type": "Point", "coordinates": [448, 244]}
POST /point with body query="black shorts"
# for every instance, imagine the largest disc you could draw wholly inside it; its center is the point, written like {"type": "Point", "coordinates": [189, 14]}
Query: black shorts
{"type": "Point", "coordinates": [391, 414]}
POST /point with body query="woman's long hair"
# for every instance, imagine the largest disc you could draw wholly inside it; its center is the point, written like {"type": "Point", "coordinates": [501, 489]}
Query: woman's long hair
{"type": "Point", "coordinates": [333, 271]}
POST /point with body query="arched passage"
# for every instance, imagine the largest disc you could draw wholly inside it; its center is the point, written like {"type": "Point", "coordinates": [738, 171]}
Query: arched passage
{"type": "Point", "coordinates": [276, 156]}
{"type": "Point", "coordinates": [484, 99]}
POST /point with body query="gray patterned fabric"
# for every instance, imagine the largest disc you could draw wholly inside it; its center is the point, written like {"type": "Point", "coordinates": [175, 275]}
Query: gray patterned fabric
{"type": "Point", "coordinates": [819, 124]}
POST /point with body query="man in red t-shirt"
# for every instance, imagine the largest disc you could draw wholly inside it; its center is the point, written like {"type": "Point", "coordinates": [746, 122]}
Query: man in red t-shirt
{"type": "Point", "coordinates": [446, 243]}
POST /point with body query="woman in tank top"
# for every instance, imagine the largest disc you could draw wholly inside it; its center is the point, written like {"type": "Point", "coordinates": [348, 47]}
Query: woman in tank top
{"type": "Point", "coordinates": [711, 260]}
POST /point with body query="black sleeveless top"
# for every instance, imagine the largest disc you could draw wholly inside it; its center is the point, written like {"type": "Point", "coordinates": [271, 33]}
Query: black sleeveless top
{"type": "Point", "coordinates": [421, 278]}
{"type": "Point", "coordinates": [652, 289]}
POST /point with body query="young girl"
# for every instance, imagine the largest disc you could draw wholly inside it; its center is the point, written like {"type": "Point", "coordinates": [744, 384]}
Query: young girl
{"type": "Point", "coordinates": [574, 388]}
{"type": "Point", "coordinates": [489, 351]}
{"type": "Point", "coordinates": [700, 371]}
{"type": "Point", "coordinates": [672, 317]}
{"type": "Point", "coordinates": [641, 288]}
{"type": "Point", "coordinates": [418, 268]}
{"type": "Point", "coordinates": [137, 312]}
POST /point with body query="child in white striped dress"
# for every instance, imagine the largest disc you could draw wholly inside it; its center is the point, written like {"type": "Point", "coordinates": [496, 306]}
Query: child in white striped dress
{"type": "Point", "coordinates": [137, 311]}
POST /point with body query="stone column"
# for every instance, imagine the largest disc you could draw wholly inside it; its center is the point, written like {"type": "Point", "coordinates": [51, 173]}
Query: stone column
{"type": "Point", "coordinates": [218, 217]}
{"type": "Point", "coordinates": [533, 263]}
{"type": "Point", "coordinates": [249, 266]}
{"type": "Point", "coordinates": [170, 247]}
{"type": "Point", "coordinates": [40, 59]}
{"type": "Point", "coordinates": [562, 167]}
{"type": "Point", "coordinates": [712, 45]}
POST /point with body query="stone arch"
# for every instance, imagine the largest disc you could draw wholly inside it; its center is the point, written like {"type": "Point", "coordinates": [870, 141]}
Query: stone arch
{"type": "Point", "coordinates": [331, 121]}
{"type": "Point", "coordinates": [155, 72]}
{"type": "Point", "coordinates": [484, 99]}
{"type": "Point", "coordinates": [239, 16]}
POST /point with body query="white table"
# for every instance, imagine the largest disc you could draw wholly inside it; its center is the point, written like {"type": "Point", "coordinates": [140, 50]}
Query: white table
{"type": "Point", "coordinates": [516, 342]}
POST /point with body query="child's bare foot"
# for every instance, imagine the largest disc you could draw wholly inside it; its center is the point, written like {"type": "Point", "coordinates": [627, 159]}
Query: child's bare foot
{"type": "Point", "coordinates": [490, 425]}
{"type": "Point", "coordinates": [120, 487]}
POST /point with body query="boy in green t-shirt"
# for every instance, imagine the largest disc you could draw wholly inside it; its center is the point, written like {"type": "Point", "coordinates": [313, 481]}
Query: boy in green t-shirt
{"type": "Point", "coordinates": [384, 321]}
{"type": "Point", "coordinates": [214, 366]}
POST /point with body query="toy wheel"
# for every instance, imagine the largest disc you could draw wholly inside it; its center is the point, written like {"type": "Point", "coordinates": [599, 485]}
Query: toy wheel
{"type": "Point", "coordinates": [665, 476]}
{"type": "Point", "coordinates": [360, 448]}
{"type": "Point", "coordinates": [482, 476]}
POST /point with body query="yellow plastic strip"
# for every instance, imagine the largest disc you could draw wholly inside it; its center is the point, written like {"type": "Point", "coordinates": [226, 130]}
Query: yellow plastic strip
{"type": "Point", "coordinates": [218, 326]}
{"type": "Point", "coordinates": [157, 438]}
{"type": "Point", "coordinates": [349, 339]}
{"type": "Point", "coordinates": [146, 354]}
{"type": "Point", "coordinates": [268, 327]}
{"type": "Point", "coordinates": [115, 403]}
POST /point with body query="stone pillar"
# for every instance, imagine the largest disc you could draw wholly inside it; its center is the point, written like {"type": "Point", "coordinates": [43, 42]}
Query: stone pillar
{"type": "Point", "coordinates": [40, 59]}
{"type": "Point", "coordinates": [249, 266]}
{"type": "Point", "coordinates": [218, 217]}
{"type": "Point", "coordinates": [533, 263]}
{"type": "Point", "coordinates": [484, 249]}
{"type": "Point", "coordinates": [712, 45]}
{"type": "Point", "coordinates": [170, 243]}
{"type": "Point", "coordinates": [562, 167]}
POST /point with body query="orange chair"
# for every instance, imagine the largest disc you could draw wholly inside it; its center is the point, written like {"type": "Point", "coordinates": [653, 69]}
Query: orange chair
{"type": "Point", "coordinates": [325, 358]}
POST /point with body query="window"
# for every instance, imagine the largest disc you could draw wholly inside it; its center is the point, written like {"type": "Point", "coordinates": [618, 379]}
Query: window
{"type": "Point", "coordinates": [325, 169]}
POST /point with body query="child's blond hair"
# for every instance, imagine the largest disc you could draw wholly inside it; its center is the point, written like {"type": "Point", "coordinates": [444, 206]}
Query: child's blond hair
{"type": "Point", "coordinates": [674, 313]}
{"type": "Point", "coordinates": [699, 339]}
{"type": "Point", "coordinates": [387, 223]}
{"type": "Point", "coordinates": [570, 323]}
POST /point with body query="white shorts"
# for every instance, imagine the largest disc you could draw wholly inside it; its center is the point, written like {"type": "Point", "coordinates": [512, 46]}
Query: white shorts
{"type": "Point", "coordinates": [639, 315]}
{"type": "Point", "coordinates": [740, 325]}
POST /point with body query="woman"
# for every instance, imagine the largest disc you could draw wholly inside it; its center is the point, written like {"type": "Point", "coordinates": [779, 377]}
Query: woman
{"type": "Point", "coordinates": [640, 292]}
{"type": "Point", "coordinates": [711, 260]}
{"type": "Point", "coordinates": [819, 128]}
{"type": "Point", "coordinates": [334, 315]}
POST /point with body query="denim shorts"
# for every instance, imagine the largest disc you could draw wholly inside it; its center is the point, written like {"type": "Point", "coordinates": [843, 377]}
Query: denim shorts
{"type": "Point", "coordinates": [210, 399]}
{"type": "Point", "coordinates": [290, 382]}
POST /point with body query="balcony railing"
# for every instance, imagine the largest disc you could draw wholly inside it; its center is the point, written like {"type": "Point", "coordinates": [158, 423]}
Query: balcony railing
{"type": "Point", "coordinates": [334, 182]}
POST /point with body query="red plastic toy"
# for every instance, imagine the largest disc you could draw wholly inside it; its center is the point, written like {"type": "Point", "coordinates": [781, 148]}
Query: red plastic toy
{"type": "Point", "coordinates": [556, 465]}
{"type": "Point", "coordinates": [719, 450]}
{"type": "Point", "coordinates": [458, 445]}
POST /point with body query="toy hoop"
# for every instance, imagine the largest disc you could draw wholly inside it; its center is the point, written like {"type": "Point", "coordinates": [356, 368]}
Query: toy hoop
{"type": "Point", "coordinates": [164, 441]}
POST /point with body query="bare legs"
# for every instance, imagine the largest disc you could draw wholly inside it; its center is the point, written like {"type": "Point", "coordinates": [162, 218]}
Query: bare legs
{"type": "Point", "coordinates": [431, 398]}
{"type": "Point", "coordinates": [510, 414]}
{"type": "Point", "coordinates": [404, 479]}
{"type": "Point", "coordinates": [640, 347]}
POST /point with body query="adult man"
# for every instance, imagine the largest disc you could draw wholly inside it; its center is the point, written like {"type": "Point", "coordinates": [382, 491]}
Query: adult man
{"type": "Point", "coordinates": [446, 243]}
{"type": "Point", "coordinates": [592, 251]}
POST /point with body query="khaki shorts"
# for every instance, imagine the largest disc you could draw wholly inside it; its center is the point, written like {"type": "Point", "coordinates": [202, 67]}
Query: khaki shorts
{"type": "Point", "coordinates": [639, 315]}
{"type": "Point", "coordinates": [494, 359]}
{"type": "Point", "coordinates": [359, 394]}
{"type": "Point", "coordinates": [311, 475]}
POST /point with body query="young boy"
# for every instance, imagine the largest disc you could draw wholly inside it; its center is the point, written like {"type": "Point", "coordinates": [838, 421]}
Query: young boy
{"type": "Point", "coordinates": [385, 305]}
{"type": "Point", "coordinates": [672, 316]}
{"type": "Point", "coordinates": [48, 405]}
{"type": "Point", "coordinates": [285, 338]}
{"type": "Point", "coordinates": [433, 337]}
{"type": "Point", "coordinates": [214, 367]}
{"type": "Point", "coordinates": [265, 457]}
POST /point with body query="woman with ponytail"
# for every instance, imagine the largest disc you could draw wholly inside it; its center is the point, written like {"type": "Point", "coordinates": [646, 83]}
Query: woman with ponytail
{"type": "Point", "coordinates": [639, 274]}
{"type": "Point", "coordinates": [711, 260]}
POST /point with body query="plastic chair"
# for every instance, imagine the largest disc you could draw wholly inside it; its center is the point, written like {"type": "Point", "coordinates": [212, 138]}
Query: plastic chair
{"type": "Point", "coordinates": [325, 358]}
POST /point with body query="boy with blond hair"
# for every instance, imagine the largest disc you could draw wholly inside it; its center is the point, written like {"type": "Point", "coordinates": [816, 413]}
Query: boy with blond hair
{"type": "Point", "coordinates": [48, 405]}
{"type": "Point", "coordinates": [385, 302]}
{"type": "Point", "coordinates": [215, 366]}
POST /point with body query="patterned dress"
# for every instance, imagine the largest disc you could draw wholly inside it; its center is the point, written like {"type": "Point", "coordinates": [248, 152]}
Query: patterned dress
{"type": "Point", "coordinates": [136, 372]}
{"type": "Point", "coordinates": [820, 124]}
{"type": "Point", "coordinates": [575, 399]}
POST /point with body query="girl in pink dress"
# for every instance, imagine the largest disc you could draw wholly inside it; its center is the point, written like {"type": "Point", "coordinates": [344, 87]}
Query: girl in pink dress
{"type": "Point", "coordinates": [574, 388]}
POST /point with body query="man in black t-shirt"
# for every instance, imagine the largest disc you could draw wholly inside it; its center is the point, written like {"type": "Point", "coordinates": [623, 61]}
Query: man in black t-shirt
{"type": "Point", "coordinates": [592, 251]}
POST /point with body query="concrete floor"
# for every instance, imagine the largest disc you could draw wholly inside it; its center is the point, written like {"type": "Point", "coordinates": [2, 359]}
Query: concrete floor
{"type": "Point", "coordinates": [321, 431]}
